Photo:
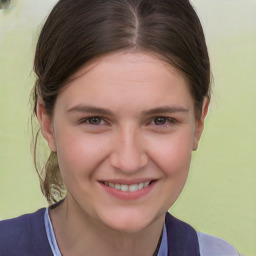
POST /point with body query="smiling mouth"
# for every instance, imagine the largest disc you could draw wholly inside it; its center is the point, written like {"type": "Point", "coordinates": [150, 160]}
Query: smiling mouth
{"type": "Point", "coordinates": [128, 187]}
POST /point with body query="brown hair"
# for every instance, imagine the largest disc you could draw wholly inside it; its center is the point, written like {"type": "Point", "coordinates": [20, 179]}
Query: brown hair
{"type": "Point", "coordinates": [77, 32]}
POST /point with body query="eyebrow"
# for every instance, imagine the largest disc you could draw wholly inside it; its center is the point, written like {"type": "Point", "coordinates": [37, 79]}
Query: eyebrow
{"type": "Point", "coordinates": [91, 109]}
{"type": "Point", "coordinates": [165, 110]}
{"type": "Point", "coordinates": [105, 111]}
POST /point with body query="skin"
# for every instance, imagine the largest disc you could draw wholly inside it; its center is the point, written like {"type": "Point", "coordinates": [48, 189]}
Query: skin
{"type": "Point", "coordinates": [145, 129]}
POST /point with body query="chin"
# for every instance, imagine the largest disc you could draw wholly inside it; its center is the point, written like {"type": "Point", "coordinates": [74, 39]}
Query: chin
{"type": "Point", "coordinates": [129, 226]}
{"type": "Point", "coordinates": [128, 222]}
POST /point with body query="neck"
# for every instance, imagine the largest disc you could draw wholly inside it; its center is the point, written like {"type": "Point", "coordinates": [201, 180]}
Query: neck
{"type": "Point", "coordinates": [77, 233]}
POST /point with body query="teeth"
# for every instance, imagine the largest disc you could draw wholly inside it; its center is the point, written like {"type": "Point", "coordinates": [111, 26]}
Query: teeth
{"type": "Point", "coordinates": [126, 187]}
{"type": "Point", "coordinates": [133, 187]}
{"type": "Point", "coordinates": [146, 183]}
{"type": "Point", "coordinates": [112, 185]}
{"type": "Point", "coordinates": [117, 186]}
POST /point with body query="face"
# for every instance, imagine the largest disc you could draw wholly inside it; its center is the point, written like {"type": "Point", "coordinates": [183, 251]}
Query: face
{"type": "Point", "coordinates": [124, 129]}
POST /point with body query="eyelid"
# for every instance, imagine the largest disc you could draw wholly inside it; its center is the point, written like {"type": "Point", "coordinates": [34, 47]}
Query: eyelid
{"type": "Point", "coordinates": [86, 119]}
{"type": "Point", "coordinates": [169, 121]}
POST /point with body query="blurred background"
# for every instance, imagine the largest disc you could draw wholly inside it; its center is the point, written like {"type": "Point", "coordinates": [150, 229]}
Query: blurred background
{"type": "Point", "coordinates": [220, 195]}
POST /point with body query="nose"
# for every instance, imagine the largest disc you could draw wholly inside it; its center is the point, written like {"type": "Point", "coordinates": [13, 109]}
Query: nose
{"type": "Point", "coordinates": [129, 154]}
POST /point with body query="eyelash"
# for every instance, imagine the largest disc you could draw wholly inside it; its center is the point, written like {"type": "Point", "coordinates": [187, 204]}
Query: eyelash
{"type": "Point", "coordinates": [167, 121]}
{"type": "Point", "coordinates": [88, 119]}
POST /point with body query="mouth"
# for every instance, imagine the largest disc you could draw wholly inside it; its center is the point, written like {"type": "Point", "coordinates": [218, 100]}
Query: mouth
{"type": "Point", "coordinates": [128, 187]}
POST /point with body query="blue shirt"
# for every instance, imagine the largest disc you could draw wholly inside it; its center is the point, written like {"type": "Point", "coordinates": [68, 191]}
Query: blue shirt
{"type": "Point", "coordinates": [163, 250]}
{"type": "Point", "coordinates": [209, 245]}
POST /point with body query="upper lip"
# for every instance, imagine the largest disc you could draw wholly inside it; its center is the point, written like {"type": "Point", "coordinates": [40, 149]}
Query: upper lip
{"type": "Point", "coordinates": [128, 181]}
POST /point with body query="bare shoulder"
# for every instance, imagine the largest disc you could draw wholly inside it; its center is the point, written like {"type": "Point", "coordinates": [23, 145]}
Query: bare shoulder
{"type": "Point", "coordinates": [214, 246]}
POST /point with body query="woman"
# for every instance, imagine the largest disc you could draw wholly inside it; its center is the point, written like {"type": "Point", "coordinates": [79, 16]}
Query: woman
{"type": "Point", "coordinates": [122, 91]}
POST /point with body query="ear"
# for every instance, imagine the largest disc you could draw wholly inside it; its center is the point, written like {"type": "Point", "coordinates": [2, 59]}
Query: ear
{"type": "Point", "coordinates": [46, 125]}
{"type": "Point", "coordinates": [200, 123]}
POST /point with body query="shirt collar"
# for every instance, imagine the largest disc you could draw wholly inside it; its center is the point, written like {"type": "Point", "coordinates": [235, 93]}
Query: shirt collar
{"type": "Point", "coordinates": [163, 250]}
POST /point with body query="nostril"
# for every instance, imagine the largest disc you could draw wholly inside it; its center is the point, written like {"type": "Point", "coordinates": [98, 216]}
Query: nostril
{"type": "Point", "coordinates": [4, 4]}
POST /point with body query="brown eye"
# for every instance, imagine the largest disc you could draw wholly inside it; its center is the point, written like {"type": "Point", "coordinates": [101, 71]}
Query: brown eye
{"type": "Point", "coordinates": [160, 120]}
{"type": "Point", "coordinates": [95, 120]}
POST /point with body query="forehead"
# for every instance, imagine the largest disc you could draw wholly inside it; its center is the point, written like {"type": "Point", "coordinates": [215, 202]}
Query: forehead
{"type": "Point", "coordinates": [120, 78]}
{"type": "Point", "coordinates": [137, 64]}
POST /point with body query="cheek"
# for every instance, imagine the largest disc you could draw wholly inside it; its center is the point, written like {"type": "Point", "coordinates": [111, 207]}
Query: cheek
{"type": "Point", "coordinates": [173, 159]}
{"type": "Point", "coordinates": [78, 154]}
{"type": "Point", "coordinates": [173, 154]}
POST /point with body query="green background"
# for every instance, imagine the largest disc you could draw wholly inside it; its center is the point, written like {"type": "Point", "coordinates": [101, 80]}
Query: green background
{"type": "Point", "coordinates": [220, 195]}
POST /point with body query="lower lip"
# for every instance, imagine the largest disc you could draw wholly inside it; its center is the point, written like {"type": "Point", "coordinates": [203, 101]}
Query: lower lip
{"type": "Point", "coordinates": [126, 195]}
